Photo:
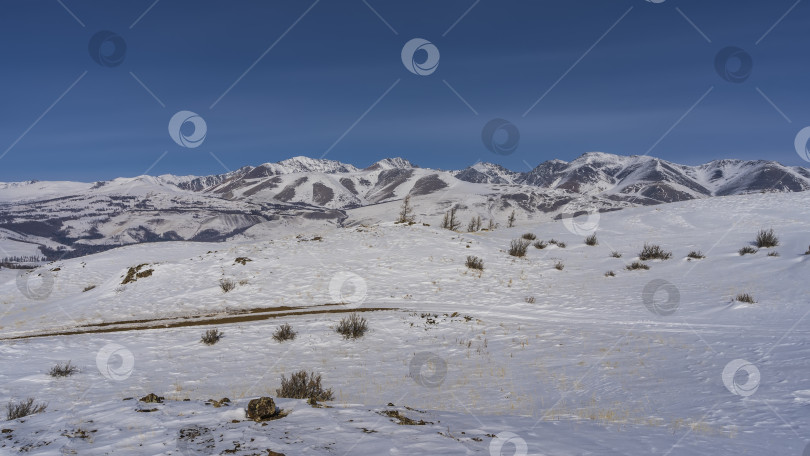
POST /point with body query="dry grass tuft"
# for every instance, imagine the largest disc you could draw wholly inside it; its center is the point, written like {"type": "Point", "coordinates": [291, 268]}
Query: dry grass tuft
{"type": "Point", "coordinates": [63, 370]}
{"type": "Point", "coordinates": [284, 332]}
{"type": "Point", "coordinates": [23, 408]}
{"type": "Point", "coordinates": [653, 252]}
{"type": "Point", "coordinates": [518, 248]}
{"type": "Point", "coordinates": [473, 262]}
{"type": "Point", "coordinates": [352, 327]}
{"type": "Point", "coordinates": [226, 285]}
{"type": "Point", "coordinates": [211, 337]}
{"type": "Point", "coordinates": [302, 385]}
{"type": "Point", "coordinates": [766, 239]}
{"type": "Point", "coordinates": [745, 297]}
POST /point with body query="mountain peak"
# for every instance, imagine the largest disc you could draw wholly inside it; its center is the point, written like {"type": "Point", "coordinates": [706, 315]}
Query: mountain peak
{"type": "Point", "coordinates": [301, 164]}
{"type": "Point", "coordinates": [484, 172]}
{"type": "Point", "coordinates": [487, 166]}
{"type": "Point", "coordinates": [391, 163]}
{"type": "Point", "coordinates": [598, 158]}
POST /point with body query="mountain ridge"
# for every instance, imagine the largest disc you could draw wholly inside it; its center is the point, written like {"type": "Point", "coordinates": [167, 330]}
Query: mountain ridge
{"type": "Point", "coordinates": [75, 218]}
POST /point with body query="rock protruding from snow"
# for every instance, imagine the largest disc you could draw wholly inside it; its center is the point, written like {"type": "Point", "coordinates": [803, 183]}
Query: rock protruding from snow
{"type": "Point", "coordinates": [152, 398]}
{"type": "Point", "coordinates": [263, 408]}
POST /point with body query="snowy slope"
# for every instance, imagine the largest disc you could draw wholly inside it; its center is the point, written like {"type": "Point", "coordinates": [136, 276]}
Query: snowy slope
{"type": "Point", "coordinates": [583, 368]}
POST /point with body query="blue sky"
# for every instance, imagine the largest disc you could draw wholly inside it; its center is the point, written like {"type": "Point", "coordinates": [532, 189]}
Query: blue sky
{"type": "Point", "coordinates": [648, 80]}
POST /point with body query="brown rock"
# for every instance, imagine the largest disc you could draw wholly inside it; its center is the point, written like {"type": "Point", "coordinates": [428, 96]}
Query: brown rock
{"type": "Point", "coordinates": [152, 398]}
{"type": "Point", "coordinates": [261, 409]}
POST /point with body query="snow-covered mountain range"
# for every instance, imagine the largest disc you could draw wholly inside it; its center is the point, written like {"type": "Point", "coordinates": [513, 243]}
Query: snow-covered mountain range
{"type": "Point", "coordinates": [73, 218]}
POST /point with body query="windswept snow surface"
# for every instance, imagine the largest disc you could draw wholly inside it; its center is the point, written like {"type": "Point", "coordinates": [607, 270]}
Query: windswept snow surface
{"type": "Point", "coordinates": [585, 369]}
